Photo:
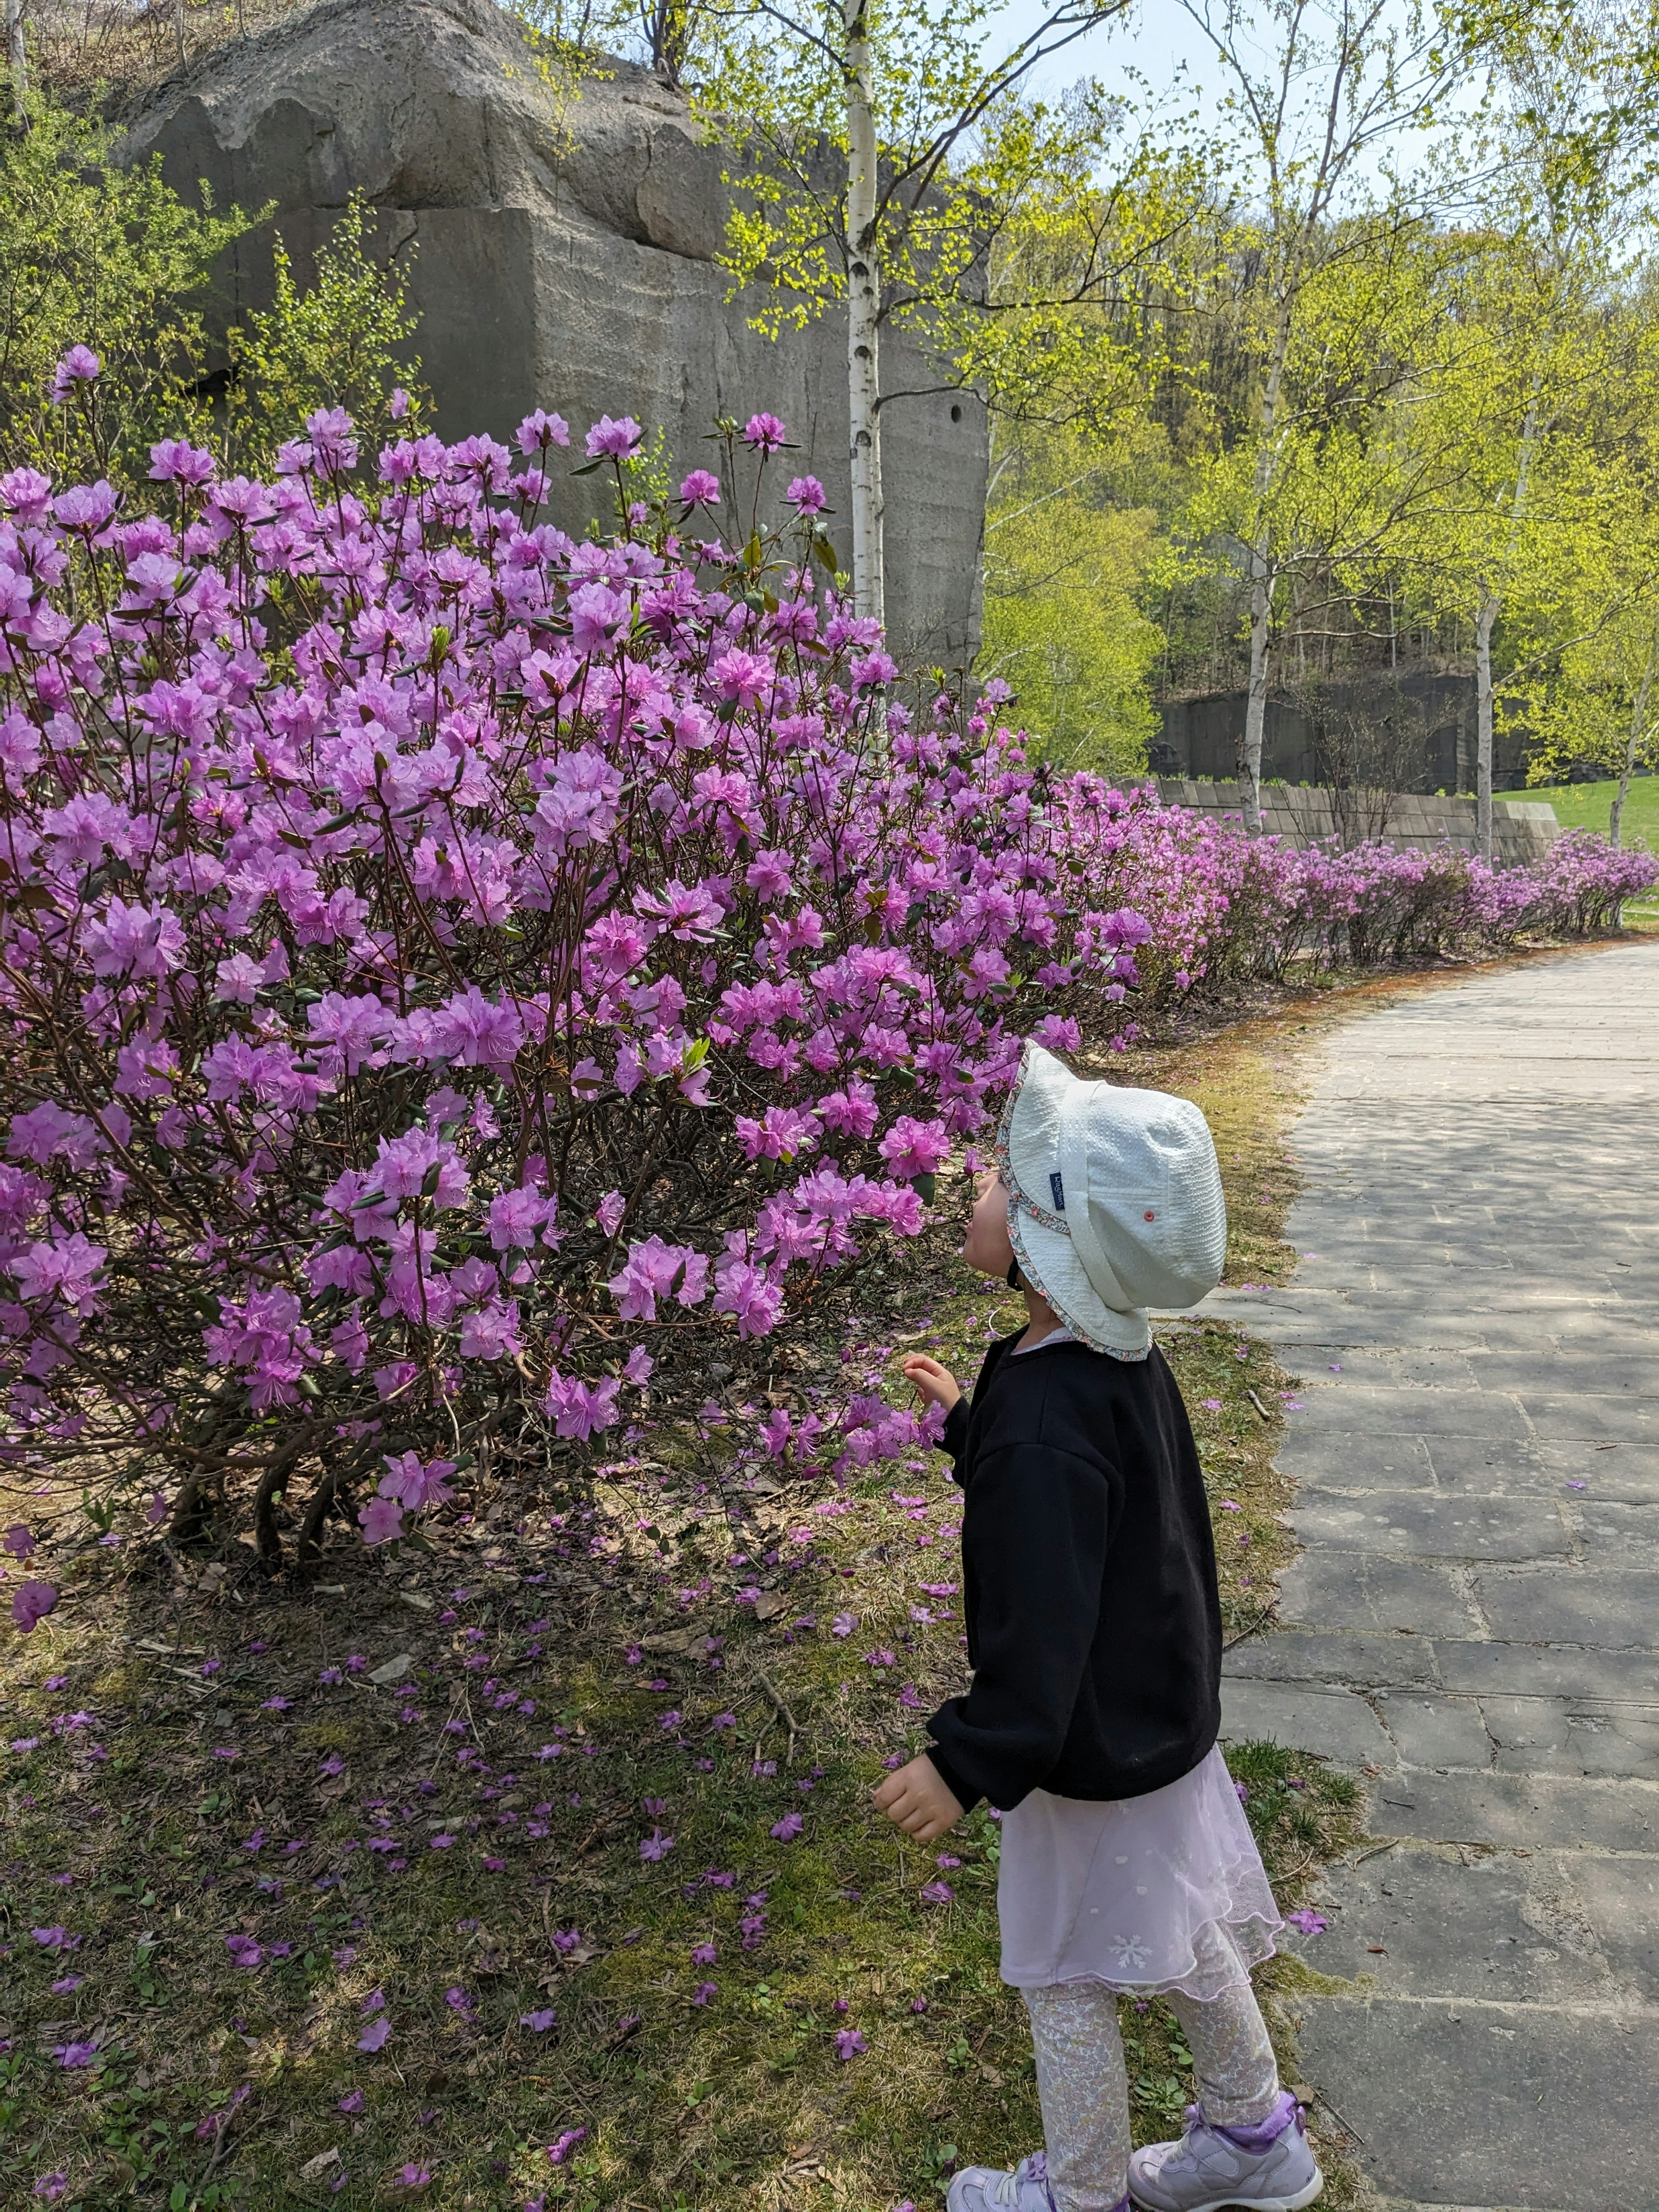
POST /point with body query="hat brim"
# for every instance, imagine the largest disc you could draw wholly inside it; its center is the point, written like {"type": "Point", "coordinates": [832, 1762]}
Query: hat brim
{"type": "Point", "coordinates": [1048, 1260]}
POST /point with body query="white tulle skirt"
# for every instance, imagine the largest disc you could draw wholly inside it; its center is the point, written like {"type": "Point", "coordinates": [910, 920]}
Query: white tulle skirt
{"type": "Point", "coordinates": [1164, 1892]}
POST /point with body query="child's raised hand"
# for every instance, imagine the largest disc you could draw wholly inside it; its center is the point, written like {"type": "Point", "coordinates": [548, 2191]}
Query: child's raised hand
{"type": "Point", "coordinates": [936, 1384]}
{"type": "Point", "coordinates": [916, 1800]}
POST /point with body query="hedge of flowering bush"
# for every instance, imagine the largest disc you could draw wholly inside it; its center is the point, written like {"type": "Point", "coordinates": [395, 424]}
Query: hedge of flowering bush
{"type": "Point", "coordinates": [1212, 905]}
{"type": "Point", "coordinates": [447, 964]}
{"type": "Point", "coordinates": [452, 971]}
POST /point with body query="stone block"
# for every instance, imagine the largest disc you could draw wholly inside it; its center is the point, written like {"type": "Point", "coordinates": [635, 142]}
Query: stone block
{"type": "Point", "coordinates": [1442, 1528]}
{"type": "Point", "coordinates": [1427, 1924]}
{"type": "Point", "coordinates": [1293, 1654]}
{"type": "Point", "coordinates": [1610, 1608]}
{"type": "Point", "coordinates": [1619, 1900]}
{"type": "Point", "coordinates": [1406, 1413]}
{"type": "Point", "coordinates": [1616, 1532]}
{"type": "Point", "coordinates": [1354, 1589]}
{"type": "Point", "coordinates": [1434, 1730]}
{"type": "Point", "coordinates": [1561, 1735]}
{"type": "Point", "coordinates": [1338, 1458]}
{"type": "Point", "coordinates": [1535, 1670]}
{"type": "Point", "coordinates": [1572, 1374]}
{"type": "Point", "coordinates": [560, 254]}
{"type": "Point", "coordinates": [1471, 1467]}
{"type": "Point", "coordinates": [1593, 1420]}
{"type": "Point", "coordinates": [1528, 1811]}
{"type": "Point", "coordinates": [1328, 1719]}
{"type": "Point", "coordinates": [1464, 2103]}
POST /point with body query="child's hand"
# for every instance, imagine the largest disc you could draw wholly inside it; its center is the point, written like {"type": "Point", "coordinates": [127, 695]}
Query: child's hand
{"type": "Point", "coordinates": [916, 1800]}
{"type": "Point", "coordinates": [936, 1384]}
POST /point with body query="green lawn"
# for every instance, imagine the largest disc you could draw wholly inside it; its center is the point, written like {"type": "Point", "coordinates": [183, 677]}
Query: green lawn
{"type": "Point", "coordinates": [1586, 806]}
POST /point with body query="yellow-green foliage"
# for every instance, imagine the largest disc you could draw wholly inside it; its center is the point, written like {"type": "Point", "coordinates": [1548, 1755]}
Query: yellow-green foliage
{"type": "Point", "coordinates": [94, 255]}
{"type": "Point", "coordinates": [1063, 623]}
{"type": "Point", "coordinates": [342, 343]}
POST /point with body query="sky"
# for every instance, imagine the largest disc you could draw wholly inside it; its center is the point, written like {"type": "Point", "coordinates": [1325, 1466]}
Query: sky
{"type": "Point", "coordinates": [1160, 40]}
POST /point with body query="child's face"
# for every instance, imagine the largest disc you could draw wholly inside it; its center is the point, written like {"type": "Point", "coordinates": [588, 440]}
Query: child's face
{"type": "Point", "coordinates": [986, 1247]}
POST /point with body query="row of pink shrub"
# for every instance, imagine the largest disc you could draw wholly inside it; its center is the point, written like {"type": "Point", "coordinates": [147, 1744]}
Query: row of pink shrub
{"type": "Point", "coordinates": [1219, 904]}
{"type": "Point", "coordinates": [449, 969]}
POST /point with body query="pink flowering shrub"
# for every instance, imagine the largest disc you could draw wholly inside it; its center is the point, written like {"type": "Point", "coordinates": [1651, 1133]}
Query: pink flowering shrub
{"type": "Point", "coordinates": [1582, 883]}
{"type": "Point", "coordinates": [444, 963]}
{"type": "Point", "coordinates": [451, 972]}
{"type": "Point", "coordinates": [1200, 903]}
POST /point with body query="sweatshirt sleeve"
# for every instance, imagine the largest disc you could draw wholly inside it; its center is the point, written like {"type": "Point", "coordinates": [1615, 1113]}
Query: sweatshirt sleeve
{"type": "Point", "coordinates": [954, 1435]}
{"type": "Point", "coordinates": [1039, 1524]}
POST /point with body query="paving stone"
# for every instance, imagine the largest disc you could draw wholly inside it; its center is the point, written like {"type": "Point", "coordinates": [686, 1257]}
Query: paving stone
{"type": "Point", "coordinates": [1619, 1900]}
{"type": "Point", "coordinates": [1459, 2102]}
{"type": "Point", "coordinates": [1530, 1811]}
{"type": "Point", "coordinates": [1314, 1359]}
{"type": "Point", "coordinates": [1425, 1924]}
{"type": "Point", "coordinates": [1436, 1731]}
{"type": "Point", "coordinates": [1556, 1736]}
{"type": "Point", "coordinates": [1578, 1374]}
{"type": "Point", "coordinates": [1341, 1460]}
{"type": "Point", "coordinates": [1444, 1368]}
{"type": "Point", "coordinates": [1416, 1412]}
{"type": "Point", "coordinates": [1608, 1325]}
{"type": "Point", "coordinates": [1537, 1670]}
{"type": "Point", "coordinates": [1362, 1591]}
{"type": "Point", "coordinates": [1445, 1527]}
{"type": "Point", "coordinates": [1613, 1609]}
{"type": "Point", "coordinates": [1329, 1719]}
{"type": "Point", "coordinates": [1615, 1533]}
{"type": "Point", "coordinates": [1635, 1420]}
{"type": "Point", "coordinates": [1470, 1465]}
{"type": "Point", "coordinates": [1300, 1655]}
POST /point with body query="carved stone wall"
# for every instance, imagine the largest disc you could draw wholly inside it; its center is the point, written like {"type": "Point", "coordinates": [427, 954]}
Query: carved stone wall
{"type": "Point", "coordinates": [1523, 828]}
{"type": "Point", "coordinates": [561, 258]}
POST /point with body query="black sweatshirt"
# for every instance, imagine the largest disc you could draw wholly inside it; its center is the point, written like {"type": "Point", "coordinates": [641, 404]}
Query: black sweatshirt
{"type": "Point", "coordinates": [1094, 1622]}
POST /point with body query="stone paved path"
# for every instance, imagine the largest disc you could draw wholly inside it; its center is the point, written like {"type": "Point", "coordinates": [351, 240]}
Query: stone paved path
{"type": "Point", "coordinates": [1475, 1616]}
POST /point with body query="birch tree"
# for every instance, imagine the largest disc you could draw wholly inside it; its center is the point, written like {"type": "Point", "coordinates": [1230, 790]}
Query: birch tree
{"type": "Point", "coordinates": [1538, 339]}
{"type": "Point", "coordinates": [878, 154]}
{"type": "Point", "coordinates": [1317, 90]}
{"type": "Point", "coordinates": [1582, 622]}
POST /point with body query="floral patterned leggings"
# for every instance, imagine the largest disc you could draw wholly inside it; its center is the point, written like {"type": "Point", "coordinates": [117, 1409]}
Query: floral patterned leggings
{"type": "Point", "coordinates": [1084, 2091]}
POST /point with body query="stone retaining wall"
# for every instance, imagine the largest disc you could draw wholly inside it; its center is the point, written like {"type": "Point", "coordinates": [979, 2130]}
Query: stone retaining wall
{"type": "Point", "coordinates": [1522, 829]}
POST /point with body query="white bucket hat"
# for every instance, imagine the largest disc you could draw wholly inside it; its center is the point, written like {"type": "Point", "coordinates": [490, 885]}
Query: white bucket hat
{"type": "Point", "coordinates": [1115, 1200]}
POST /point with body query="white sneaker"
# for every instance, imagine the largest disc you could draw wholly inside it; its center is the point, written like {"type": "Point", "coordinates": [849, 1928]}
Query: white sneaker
{"type": "Point", "coordinates": [1267, 2168]}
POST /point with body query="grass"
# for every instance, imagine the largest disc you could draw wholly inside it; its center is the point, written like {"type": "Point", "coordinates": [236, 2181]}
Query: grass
{"type": "Point", "coordinates": [1587, 805]}
{"type": "Point", "coordinates": [455, 1848]}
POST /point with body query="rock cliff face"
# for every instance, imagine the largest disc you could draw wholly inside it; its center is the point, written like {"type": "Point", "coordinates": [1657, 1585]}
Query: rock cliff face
{"type": "Point", "coordinates": [563, 258]}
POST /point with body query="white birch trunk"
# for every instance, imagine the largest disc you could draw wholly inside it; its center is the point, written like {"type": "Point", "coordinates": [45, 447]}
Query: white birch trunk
{"type": "Point", "coordinates": [1255, 699]}
{"type": "Point", "coordinates": [1637, 729]}
{"type": "Point", "coordinates": [863, 326]}
{"type": "Point", "coordinates": [1261, 578]}
{"type": "Point", "coordinates": [15, 49]}
{"type": "Point", "coordinates": [1482, 628]}
{"type": "Point", "coordinates": [1486, 618]}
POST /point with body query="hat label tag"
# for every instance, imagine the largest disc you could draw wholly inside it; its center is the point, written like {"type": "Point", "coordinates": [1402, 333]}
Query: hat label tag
{"type": "Point", "coordinates": [1057, 1188]}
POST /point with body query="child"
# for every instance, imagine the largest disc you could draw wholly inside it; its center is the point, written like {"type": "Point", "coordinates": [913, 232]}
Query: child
{"type": "Point", "coordinates": [1094, 1632]}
